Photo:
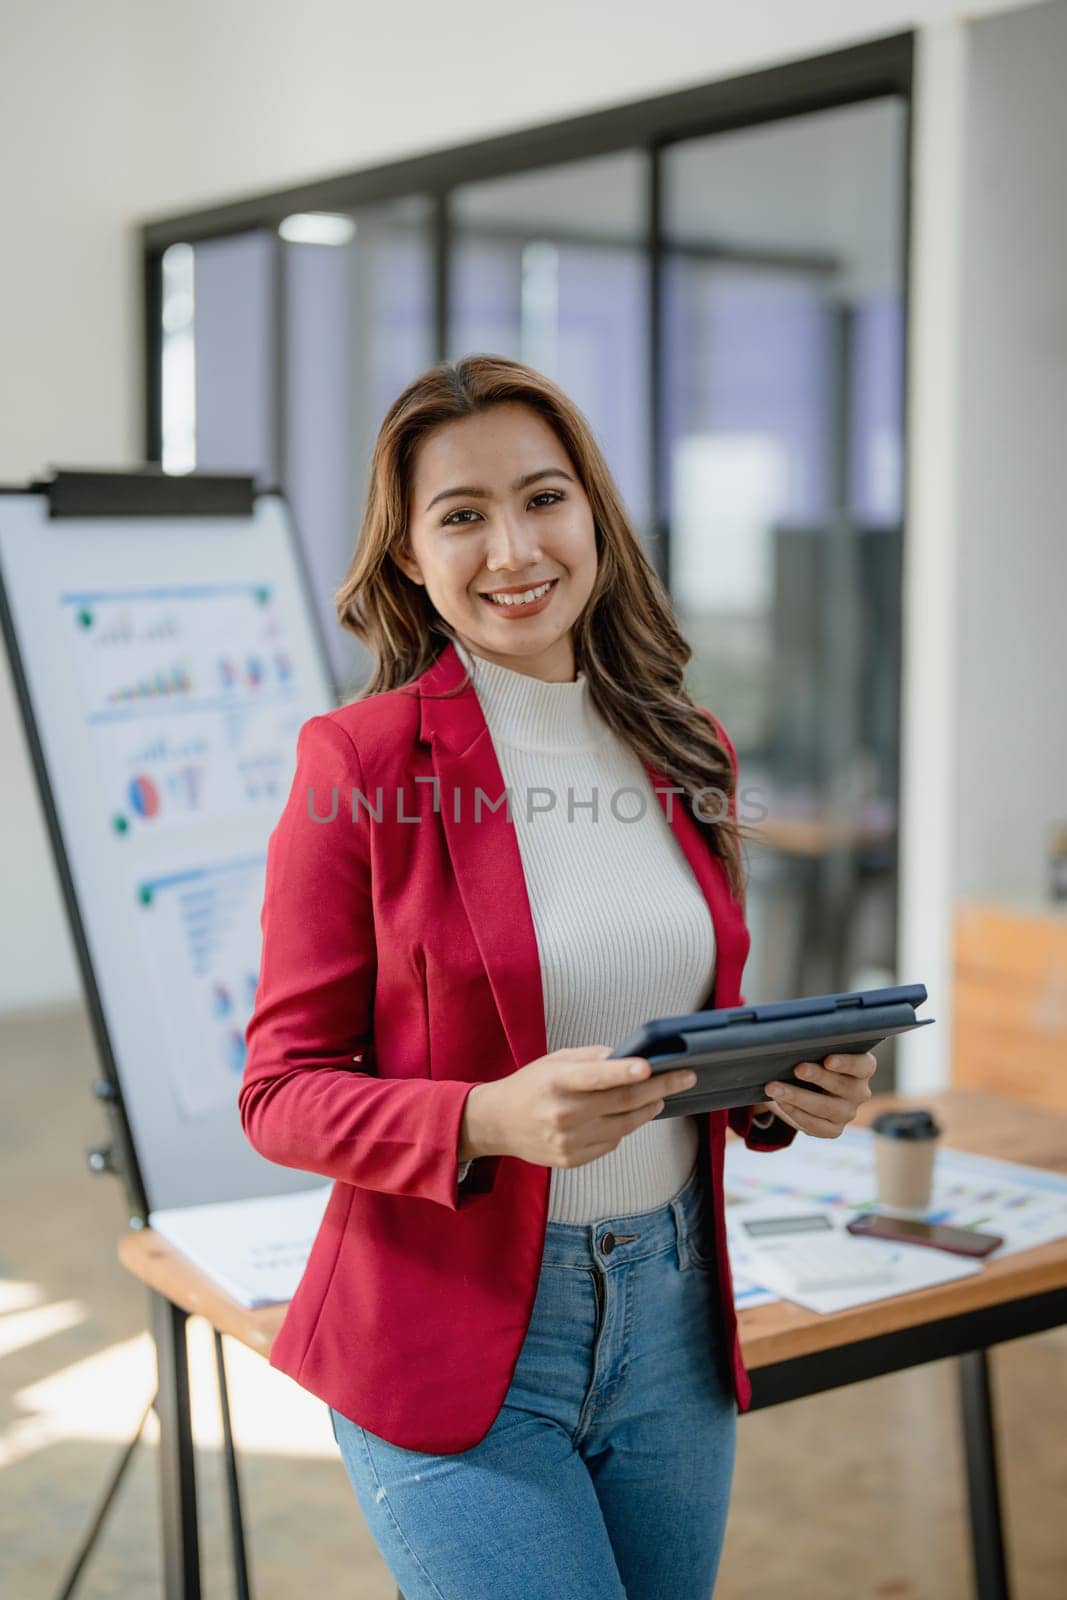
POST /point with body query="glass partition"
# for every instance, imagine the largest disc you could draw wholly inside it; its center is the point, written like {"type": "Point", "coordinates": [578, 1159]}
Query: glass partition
{"type": "Point", "coordinates": [551, 268]}
{"type": "Point", "coordinates": [281, 351]}
{"type": "Point", "coordinates": [727, 308]}
{"type": "Point", "coordinates": [358, 327]}
{"type": "Point", "coordinates": [783, 447]}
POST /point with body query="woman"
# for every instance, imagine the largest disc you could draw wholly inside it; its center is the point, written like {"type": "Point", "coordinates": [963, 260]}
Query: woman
{"type": "Point", "coordinates": [494, 863]}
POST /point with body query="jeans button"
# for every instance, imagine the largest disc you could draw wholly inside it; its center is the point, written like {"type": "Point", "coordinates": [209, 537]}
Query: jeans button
{"type": "Point", "coordinates": [607, 1243]}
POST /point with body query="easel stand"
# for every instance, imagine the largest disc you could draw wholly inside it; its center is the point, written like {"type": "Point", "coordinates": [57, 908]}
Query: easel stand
{"type": "Point", "coordinates": [177, 1467]}
{"type": "Point", "coordinates": [177, 1471]}
{"type": "Point", "coordinates": [90, 506]}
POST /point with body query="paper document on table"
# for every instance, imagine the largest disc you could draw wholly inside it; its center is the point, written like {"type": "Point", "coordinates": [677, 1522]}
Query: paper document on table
{"type": "Point", "coordinates": [747, 1292]}
{"type": "Point", "coordinates": [1027, 1206]}
{"type": "Point", "coordinates": [255, 1250]}
{"type": "Point", "coordinates": [803, 1253]}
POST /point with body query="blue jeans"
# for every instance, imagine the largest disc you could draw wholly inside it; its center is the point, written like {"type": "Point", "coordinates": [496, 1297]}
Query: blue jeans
{"type": "Point", "coordinates": [606, 1474]}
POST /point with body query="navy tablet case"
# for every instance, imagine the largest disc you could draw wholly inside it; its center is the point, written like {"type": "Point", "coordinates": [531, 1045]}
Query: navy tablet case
{"type": "Point", "coordinates": [737, 1050]}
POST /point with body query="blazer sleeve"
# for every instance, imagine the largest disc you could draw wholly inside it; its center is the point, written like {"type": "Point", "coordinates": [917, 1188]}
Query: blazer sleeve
{"type": "Point", "coordinates": [308, 1097]}
{"type": "Point", "coordinates": [778, 1133]}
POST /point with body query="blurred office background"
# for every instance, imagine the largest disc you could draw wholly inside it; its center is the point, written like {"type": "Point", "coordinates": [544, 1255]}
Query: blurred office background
{"type": "Point", "coordinates": [803, 268]}
{"type": "Point", "coordinates": [728, 310]}
{"type": "Point", "coordinates": [799, 292]}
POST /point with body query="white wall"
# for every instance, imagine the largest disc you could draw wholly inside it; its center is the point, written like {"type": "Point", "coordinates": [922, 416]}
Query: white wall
{"type": "Point", "coordinates": [1011, 724]}
{"type": "Point", "coordinates": [69, 136]}
{"type": "Point", "coordinates": [254, 96]}
{"type": "Point", "coordinates": [117, 111]}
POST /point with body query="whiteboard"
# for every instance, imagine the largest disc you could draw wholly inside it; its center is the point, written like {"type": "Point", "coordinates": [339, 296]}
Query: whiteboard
{"type": "Point", "coordinates": [164, 668]}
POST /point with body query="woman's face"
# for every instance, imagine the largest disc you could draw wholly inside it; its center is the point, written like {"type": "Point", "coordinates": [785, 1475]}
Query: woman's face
{"type": "Point", "coordinates": [496, 505]}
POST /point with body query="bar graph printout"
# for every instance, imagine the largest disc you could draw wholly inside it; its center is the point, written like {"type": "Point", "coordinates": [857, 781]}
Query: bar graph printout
{"type": "Point", "coordinates": [192, 701]}
{"type": "Point", "coordinates": [1027, 1206]}
{"type": "Point", "coordinates": [168, 664]}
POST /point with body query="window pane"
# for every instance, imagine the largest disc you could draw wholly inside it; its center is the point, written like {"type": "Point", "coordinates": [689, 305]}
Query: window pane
{"type": "Point", "coordinates": [352, 297]}
{"type": "Point", "coordinates": [359, 327]}
{"type": "Point", "coordinates": [551, 268]}
{"type": "Point", "coordinates": [233, 314]}
{"type": "Point", "coordinates": [782, 416]}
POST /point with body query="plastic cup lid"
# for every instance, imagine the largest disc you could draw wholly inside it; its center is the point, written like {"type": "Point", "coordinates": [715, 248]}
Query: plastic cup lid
{"type": "Point", "coordinates": [917, 1124]}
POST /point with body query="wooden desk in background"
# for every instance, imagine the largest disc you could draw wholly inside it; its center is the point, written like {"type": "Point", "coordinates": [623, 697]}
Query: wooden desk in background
{"type": "Point", "coordinates": [1009, 1024]}
{"type": "Point", "coordinates": [831, 861]}
{"type": "Point", "coordinates": [818, 836]}
{"type": "Point", "coordinates": [790, 1352]}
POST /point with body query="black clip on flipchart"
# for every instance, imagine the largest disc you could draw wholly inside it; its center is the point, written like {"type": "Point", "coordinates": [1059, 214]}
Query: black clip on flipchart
{"type": "Point", "coordinates": [736, 1051]}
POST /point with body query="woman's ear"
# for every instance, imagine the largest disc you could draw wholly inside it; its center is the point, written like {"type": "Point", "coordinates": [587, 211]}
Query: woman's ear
{"type": "Point", "coordinates": [408, 565]}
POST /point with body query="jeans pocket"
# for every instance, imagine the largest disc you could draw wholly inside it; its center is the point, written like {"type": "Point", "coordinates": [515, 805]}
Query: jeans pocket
{"type": "Point", "coordinates": [700, 1248]}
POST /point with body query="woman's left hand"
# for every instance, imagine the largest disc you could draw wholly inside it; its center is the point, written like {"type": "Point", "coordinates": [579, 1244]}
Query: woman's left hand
{"type": "Point", "coordinates": [845, 1078]}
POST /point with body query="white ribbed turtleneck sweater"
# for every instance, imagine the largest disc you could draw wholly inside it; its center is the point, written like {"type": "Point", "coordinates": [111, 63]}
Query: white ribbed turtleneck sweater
{"type": "Point", "coordinates": [623, 930]}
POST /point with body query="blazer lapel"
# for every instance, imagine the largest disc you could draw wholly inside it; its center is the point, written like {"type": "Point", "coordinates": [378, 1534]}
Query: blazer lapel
{"type": "Point", "coordinates": [488, 866]}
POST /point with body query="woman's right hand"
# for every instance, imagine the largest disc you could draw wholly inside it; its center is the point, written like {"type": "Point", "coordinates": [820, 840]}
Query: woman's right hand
{"type": "Point", "coordinates": [566, 1108]}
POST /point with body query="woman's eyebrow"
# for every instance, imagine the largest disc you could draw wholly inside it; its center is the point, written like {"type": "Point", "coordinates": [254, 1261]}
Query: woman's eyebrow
{"type": "Point", "coordinates": [520, 483]}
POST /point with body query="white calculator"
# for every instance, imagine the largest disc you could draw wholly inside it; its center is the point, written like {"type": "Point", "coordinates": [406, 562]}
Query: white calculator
{"type": "Point", "coordinates": [806, 1252]}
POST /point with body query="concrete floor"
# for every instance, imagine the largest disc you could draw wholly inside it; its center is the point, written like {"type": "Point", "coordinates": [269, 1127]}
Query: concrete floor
{"type": "Point", "coordinates": [855, 1494]}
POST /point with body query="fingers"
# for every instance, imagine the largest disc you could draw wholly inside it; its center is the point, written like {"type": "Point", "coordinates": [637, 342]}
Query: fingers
{"type": "Point", "coordinates": [578, 1072]}
{"type": "Point", "coordinates": [631, 1069]}
{"type": "Point", "coordinates": [845, 1078]}
{"type": "Point", "coordinates": [829, 1108]}
{"type": "Point", "coordinates": [805, 1122]}
{"type": "Point", "coordinates": [848, 1083]}
{"type": "Point", "coordinates": [835, 1068]}
{"type": "Point", "coordinates": [654, 1089]}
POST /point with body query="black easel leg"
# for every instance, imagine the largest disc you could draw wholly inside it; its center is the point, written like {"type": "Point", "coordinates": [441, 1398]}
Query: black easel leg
{"type": "Point", "coordinates": [983, 1491]}
{"type": "Point", "coordinates": [177, 1471]}
{"type": "Point", "coordinates": [71, 1581]}
{"type": "Point", "coordinates": [237, 1527]}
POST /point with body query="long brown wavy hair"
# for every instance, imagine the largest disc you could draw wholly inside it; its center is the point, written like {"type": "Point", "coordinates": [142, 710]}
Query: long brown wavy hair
{"type": "Point", "coordinates": [626, 641]}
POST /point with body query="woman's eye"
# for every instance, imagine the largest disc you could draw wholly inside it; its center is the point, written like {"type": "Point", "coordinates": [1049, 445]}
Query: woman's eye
{"type": "Point", "coordinates": [551, 495]}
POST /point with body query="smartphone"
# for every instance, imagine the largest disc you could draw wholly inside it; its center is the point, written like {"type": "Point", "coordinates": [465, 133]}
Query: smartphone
{"type": "Point", "coordinates": [960, 1241]}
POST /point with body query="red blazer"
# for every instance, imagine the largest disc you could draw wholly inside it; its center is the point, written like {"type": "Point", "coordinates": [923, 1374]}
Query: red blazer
{"type": "Point", "coordinates": [400, 967]}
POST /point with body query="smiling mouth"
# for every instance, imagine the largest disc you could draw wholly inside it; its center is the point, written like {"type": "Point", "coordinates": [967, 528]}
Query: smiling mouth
{"type": "Point", "coordinates": [524, 597]}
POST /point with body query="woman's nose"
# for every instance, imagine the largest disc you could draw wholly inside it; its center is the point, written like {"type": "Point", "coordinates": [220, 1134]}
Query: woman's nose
{"type": "Point", "coordinates": [512, 545]}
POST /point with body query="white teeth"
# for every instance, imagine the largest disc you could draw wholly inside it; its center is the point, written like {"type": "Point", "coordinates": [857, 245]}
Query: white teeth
{"type": "Point", "coordinates": [520, 599]}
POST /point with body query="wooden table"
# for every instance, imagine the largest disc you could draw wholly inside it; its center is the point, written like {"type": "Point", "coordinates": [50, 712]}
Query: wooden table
{"type": "Point", "coordinates": [789, 1352]}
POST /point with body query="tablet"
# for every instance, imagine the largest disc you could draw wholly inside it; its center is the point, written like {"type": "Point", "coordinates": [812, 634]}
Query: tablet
{"type": "Point", "coordinates": [735, 1052]}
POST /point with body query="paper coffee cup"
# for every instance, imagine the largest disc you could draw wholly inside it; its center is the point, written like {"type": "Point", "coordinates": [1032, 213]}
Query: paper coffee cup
{"type": "Point", "coordinates": [905, 1147]}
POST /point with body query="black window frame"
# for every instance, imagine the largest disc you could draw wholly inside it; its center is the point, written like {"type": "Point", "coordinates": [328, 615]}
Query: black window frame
{"type": "Point", "coordinates": [870, 70]}
{"type": "Point", "coordinates": [860, 72]}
